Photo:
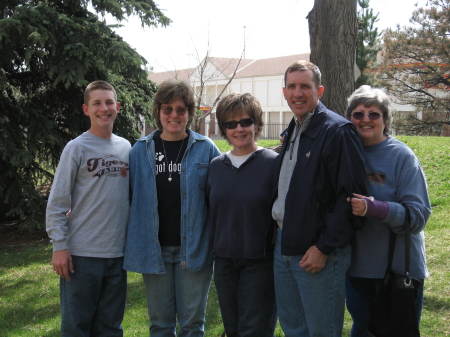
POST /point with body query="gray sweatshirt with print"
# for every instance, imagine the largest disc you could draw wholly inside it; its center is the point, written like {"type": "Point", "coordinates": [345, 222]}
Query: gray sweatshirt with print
{"type": "Point", "coordinates": [87, 210]}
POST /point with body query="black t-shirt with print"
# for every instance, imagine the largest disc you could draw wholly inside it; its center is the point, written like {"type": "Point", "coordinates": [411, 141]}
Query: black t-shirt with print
{"type": "Point", "coordinates": [168, 188]}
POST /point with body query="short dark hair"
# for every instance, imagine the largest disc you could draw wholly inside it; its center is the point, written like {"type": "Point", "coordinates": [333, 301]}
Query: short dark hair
{"type": "Point", "coordinates": [368, 96]}
{"type": "Point", "coordinates": [98, 85]}
{"type": "Point", "coordinates": [170, 90]}
{"type": "Point", "coordinates": [303, 65]}
{"type": "Point", "coordinates": [235, 104]}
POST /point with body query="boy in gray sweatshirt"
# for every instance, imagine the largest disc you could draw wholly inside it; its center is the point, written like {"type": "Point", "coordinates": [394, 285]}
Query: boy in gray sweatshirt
{"type": "Point", "coordinates": [86, 221]}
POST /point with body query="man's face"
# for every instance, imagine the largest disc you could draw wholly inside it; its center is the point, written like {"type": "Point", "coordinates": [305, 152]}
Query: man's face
{"type": "Point", "coordinates": [302, 93]}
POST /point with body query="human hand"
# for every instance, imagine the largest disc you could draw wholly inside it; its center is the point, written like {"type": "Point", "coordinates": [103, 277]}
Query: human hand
{"type": "Point", "coordinates": [359, 204]}
{"type": "Point", "coordinates": [313, 261]}
{"type": "Point", "coordinates": [62, 263]}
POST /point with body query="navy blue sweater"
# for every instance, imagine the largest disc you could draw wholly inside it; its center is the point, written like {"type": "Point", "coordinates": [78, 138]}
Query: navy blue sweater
{"type": "Point", "coordinates": [240, 203]}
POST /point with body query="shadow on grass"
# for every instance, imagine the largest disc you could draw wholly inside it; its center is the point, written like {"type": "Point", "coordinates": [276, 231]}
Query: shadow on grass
{"type": "Point", "coordinates": [13, 289]}
{"type": "Point", "coordinates": [24, 254]}
{"type": "Point", "coordinates": [29, 296]}
{"type": "Point", "coordinates": [433, 303]}
{"type": "Point", "coordinates": [21, 315]}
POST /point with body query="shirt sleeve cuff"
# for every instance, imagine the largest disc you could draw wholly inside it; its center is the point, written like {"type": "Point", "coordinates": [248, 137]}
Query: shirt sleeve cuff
{"type": "Point", "coordinates": [59, 245]}
{"type": "Point", "coordinates": [395, 217]}
{"type": "Point", "coordinates": [327, 250]}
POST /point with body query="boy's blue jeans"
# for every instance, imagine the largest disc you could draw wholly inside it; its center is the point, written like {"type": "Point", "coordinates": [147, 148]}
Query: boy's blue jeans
{"type": "Point", "coordinates": [93, 300]}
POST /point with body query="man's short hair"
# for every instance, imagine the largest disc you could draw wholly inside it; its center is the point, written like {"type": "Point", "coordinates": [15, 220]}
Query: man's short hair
{"type": "Point", "coordinates": [98, 85]}
{"type": "Point", "coordinates": [303, 65]}
{"type": "Point", "coordinates": [236, 104]}
{"type": "Point", "coordinates": [169, 91]}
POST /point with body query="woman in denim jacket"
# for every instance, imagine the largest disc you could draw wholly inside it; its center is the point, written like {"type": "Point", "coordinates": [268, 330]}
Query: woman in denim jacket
{"type": "Point", "coordinates": [167, 240]}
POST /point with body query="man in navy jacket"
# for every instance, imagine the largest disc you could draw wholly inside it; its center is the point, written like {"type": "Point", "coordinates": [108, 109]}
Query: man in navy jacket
{"type": "Point", "coordinates": [320, 166]}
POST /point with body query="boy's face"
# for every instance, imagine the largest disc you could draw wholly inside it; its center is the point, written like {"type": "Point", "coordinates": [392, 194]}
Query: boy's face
{"type": "Point", "coordinates": [102, 109]}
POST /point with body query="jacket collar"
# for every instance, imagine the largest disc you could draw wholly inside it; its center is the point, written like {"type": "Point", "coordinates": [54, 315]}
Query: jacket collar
{"type": "Point", "coordinates": [193, 136]}
{"type": "Point", "coordinates": [314, 124]}
{"type": "Point", "coordinates": [316, 121]}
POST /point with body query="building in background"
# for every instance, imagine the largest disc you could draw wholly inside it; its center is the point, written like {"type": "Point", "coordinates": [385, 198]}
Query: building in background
{"type": "Point", "coordinates": [262, 78]}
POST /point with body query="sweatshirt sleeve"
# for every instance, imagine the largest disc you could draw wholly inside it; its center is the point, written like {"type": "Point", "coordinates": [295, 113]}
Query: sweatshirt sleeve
{"type": "Point", "coordinates": [411, 192]}
{"type": "Point", "coordinates": [59, 201]}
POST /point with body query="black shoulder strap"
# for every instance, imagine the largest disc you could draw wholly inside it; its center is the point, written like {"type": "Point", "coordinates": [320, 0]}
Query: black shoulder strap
{"type": "Point", "coordinates": [392, 238]}
{"type": "Point", "coordinates": [407, 225]}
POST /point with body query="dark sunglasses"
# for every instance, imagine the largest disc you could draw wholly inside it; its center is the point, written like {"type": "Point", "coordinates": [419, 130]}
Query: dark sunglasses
{"type": "Point", "coordinates": [359, 115]}
{"type": "Point", "coordinates": [168, 110]}
{"type": "Point", "coordinates": [233, 124]}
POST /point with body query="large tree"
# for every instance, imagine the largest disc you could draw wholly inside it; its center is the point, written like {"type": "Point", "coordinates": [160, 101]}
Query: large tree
{"type": "Point", "coordinates": [367, 42]}
{"type": "Point", "coordinates": [50, 50]}
{"type": "Point", "coordinates": [333, 30]}
{"type": "Point", "coordinates": [416, 67]}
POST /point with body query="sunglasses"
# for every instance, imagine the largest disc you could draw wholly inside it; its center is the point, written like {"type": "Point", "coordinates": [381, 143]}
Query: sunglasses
{"type": "Point", "coordinates": [233, 124]}
{"type": "Point", "coordinates": [359, 115]}
{"type": "Point", "coordinates": [168, 110]}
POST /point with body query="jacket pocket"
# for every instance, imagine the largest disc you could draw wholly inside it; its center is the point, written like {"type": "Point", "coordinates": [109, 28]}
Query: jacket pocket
{"type": "Point", "coordinates": [200, 174]}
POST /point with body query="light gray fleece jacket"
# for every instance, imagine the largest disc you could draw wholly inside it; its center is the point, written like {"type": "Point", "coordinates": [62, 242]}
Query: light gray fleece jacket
{"type": "Point", "coordinates": [87, 209]}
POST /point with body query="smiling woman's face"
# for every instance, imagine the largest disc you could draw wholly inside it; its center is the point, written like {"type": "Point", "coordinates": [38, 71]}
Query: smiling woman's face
{"type": "Point", "coordinates": [369, 123]}
{"type": "Point", "coordinates": [174, 118]}
{"type": "Point", "coordinates": [241, 138]}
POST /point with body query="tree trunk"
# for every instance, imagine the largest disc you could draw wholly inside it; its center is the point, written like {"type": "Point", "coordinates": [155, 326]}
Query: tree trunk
{"type": "Point", "coordinates": [332, 30]}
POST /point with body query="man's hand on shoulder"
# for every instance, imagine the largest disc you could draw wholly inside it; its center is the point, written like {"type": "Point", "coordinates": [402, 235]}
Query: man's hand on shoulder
{"type": "Point", "coordinates": [313, 261]}
{"type": "Point", "coordinates": [62, 263]}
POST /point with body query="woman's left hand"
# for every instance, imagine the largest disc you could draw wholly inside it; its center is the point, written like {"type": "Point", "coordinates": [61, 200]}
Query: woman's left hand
{"type": "Point", "coordinates": [359, 204]}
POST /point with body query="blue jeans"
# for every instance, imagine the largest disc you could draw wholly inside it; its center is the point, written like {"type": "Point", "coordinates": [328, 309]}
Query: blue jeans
{"type": "Point", "coordinates": [177, 294]}
{"type": "Point", "coordinates": [93, 301]}
{"type": "Point", "coordinates": [360, 294]}
{"type": "Point", "coordinates": [310, 305]}
{"type": "Point", "coordinates": [246, 293]}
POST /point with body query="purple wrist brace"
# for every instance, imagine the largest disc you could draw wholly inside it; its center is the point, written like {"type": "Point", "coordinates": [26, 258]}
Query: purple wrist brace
{"type": "Point", "coordinates": [377, 209]}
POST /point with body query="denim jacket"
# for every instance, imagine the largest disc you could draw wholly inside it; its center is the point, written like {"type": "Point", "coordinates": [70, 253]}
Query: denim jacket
{"type": "Point", "coordinates": [142, 248]}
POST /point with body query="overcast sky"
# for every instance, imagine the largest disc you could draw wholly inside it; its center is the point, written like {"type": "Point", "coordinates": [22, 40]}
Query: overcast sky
{"type": "Point", "coordinates": [272, 28]}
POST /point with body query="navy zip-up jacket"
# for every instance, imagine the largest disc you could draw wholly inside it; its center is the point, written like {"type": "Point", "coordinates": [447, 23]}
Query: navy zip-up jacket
{"type": "Point", "coordinates": [329, 168]}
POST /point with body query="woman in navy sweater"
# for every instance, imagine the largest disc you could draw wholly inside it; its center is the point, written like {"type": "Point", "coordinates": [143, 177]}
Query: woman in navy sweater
{"type": "Point", "coordinates": [240, 189]}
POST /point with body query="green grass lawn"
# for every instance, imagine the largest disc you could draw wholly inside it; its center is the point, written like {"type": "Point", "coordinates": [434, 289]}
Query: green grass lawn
{"type": "Point", "coordinates": [29, 300]}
